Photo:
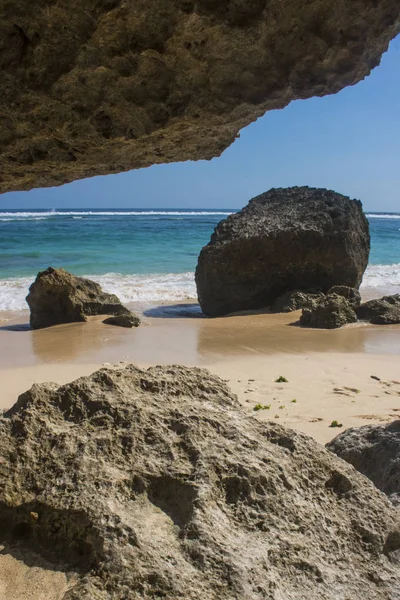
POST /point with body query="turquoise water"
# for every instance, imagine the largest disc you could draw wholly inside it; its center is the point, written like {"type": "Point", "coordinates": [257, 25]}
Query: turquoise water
{"type": "Point", "coordinates": [142, 255]}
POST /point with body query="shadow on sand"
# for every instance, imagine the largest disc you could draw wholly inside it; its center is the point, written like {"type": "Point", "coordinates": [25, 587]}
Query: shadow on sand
{"type": "Point", "coordinates": [18, 327]}
{"type": "Point", "coordinates": [175, 311]}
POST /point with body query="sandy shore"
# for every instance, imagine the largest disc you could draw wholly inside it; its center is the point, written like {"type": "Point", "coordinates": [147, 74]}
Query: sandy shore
{"type": "Point", "coordinates": [328, 372]}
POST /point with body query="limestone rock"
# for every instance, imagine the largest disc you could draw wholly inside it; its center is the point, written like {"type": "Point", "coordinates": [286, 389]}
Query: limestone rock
{"type": "Point", "coordinates": [289, 239]}
{"type": "Point", "coordinates": [103, 86]}
{"type": "Point", "coordinates": [330, 312]}
{"type": "Point", "coordinates": [291, 301]}
{"type": "Point", "coordinates": [383, 311]}
{"type": "Point", "coordinates": [123, 321]}
{"type": "Point", "coordinates": [57, 296]}
{"type": "Point", "coordinates": [154, 484]}
{"type": "Point", "coordinates": [374, 450]}
{"type": "Point", "coordinates": [352, 296]}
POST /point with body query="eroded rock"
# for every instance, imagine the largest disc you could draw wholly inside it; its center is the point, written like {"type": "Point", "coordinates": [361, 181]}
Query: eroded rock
{"type": "Point", "coordinates": [329, 312]}
{"type": "Point", "coordinates": [287, 239]}
{"type": "Point", "coordinates": [291, 301]}
{"type": "Point", "coordinates": [154, 483]}
{"type": "Point", "coordinates": [374, 450]}
{"type": "Point", "coordinates": [57, 296]}
{"type": "Point", "coordinates": [103, 86]}
{"type": "Point", "coordinates": [382, 311]}
{"type": "Point", "coordinates": [352, 296]}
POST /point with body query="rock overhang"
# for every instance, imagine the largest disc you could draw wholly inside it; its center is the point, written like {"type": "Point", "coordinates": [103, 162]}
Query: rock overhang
{"type": "Point", "coordinates": [110, 85]}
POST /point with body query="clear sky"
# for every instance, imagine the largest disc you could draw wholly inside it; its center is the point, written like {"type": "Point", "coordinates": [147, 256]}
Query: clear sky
{"type": "Point", "coordinates": [349, 142]}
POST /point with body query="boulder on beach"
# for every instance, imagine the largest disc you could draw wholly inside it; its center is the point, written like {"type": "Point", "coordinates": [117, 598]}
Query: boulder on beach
{"type": "Point", "coordinates": [382, 311]}
{"type": "Point", "coordinates": [127, 321]}
{"type": "Point", "coordinates": [328, 312]}
{"type": "Point", "coordinates": [374, 450]}
{"type": "Point", "coordinates": [290, 239]}
{"type": "Point", "coordinates": [151, 484]}
{"type": "Point", "coordinates": [291, 301]}
{"type": "Point", "coordinates": [57, 296]}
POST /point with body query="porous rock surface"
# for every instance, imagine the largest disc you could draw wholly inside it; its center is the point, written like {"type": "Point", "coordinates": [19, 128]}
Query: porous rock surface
{"type": "Point", "coordinates": [352, 296]}
{"type": "Point", "coordinates": [382, 311]}
{"type": "Point", "coordinates": [291, 301]}
{"type": "Point", "coordinates": [102, 86]}
{"type": "Point", "coordinates": [374, 450]}
{"type": "Point", "coordinates": [284, 240]}
{"type": "Point", "coordinates": [329, 312]}
{"type": "Point", "coordinates": [57, 296]}
{"type": "Point", "coordinates": [154, 484]}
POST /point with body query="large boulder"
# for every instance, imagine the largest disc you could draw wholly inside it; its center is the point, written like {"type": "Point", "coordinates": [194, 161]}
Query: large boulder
{"type": "Point", "coordinates": [382, 311]}
{"type": "Point", "coordinates": [374, 450]}
{"type": "Point", "coordinates": [329, 312]}
{"type": "Point", "coordinates": [151, 484]}
{"type": "Point", "coordinates": [57, 296]}
{"type": "Point", "coordinates": [290, 239]}
{"type": "Point", "coordinates": [101, 86]}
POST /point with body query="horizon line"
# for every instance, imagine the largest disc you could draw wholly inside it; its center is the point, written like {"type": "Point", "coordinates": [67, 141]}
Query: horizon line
{"type": "Point", "coordinates": [180, 208]}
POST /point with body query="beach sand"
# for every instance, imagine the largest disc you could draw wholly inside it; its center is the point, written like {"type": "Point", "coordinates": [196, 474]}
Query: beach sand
{"type": "Point", "coordinates": [331, 374]}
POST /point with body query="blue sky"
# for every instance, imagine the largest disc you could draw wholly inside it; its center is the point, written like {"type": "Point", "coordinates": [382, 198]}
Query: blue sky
{"type": "Point", "coordinates": [349, 142]}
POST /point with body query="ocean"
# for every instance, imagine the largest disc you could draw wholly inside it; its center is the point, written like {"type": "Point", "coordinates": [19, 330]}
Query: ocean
{"type": "Point", "coordinates": [144, 256]}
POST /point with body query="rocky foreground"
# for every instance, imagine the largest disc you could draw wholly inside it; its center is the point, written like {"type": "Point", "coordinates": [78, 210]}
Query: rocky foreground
{"type": "Point", "coordinates": [154, 484]}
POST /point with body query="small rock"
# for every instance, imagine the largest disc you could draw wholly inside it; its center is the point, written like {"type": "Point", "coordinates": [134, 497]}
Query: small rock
{"type": "Point", "coordinates": [329, 313]}
{"type": "Point", "coordinates": [382, 311]}
{"type": "Point", "coordinates": [123, 321]}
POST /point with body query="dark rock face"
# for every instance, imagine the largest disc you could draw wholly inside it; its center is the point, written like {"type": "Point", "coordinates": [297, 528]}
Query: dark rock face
{"type": "Point", "coordinates": [103, 86]}
{"type": "Point", "coordinates": [290, 239]}
{"type": "Point", "coordinates": [384, 311]}
{"type": "Point", "coordinates": [352, 296]}
{"type": "Point", "coordinates": [374, 450]}
{"type": "Point", "coordinates": [331, 312]}
{"type": "Point", "coordinates": [151, 484]}
{"type": "Point", "coordinates": [123, 321]}
{"type": "Point", "coordinates": [291, 301]}
{"type": "Point", "coordinates": [56, 297]}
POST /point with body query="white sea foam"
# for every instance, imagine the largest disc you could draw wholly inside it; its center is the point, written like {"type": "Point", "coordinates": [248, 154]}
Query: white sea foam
{"type": "Point", "coordinates": [383, 216]}
{"type": "Point", "coordinates": [170, 287]}
{"type": "Point", "coordinates": [381, 278]}
{"type": "Point", "coordinates": [177, 287]}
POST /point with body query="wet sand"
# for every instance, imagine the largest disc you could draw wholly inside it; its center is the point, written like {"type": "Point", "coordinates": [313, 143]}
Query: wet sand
{"type": "Point", "coordinates": [328, 372]}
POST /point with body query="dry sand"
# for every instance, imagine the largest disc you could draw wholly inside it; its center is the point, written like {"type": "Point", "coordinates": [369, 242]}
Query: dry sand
{"type": "Point", "coordinates": [328, 372]}
{"type": "Point", "coordinates": [22, 579]}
